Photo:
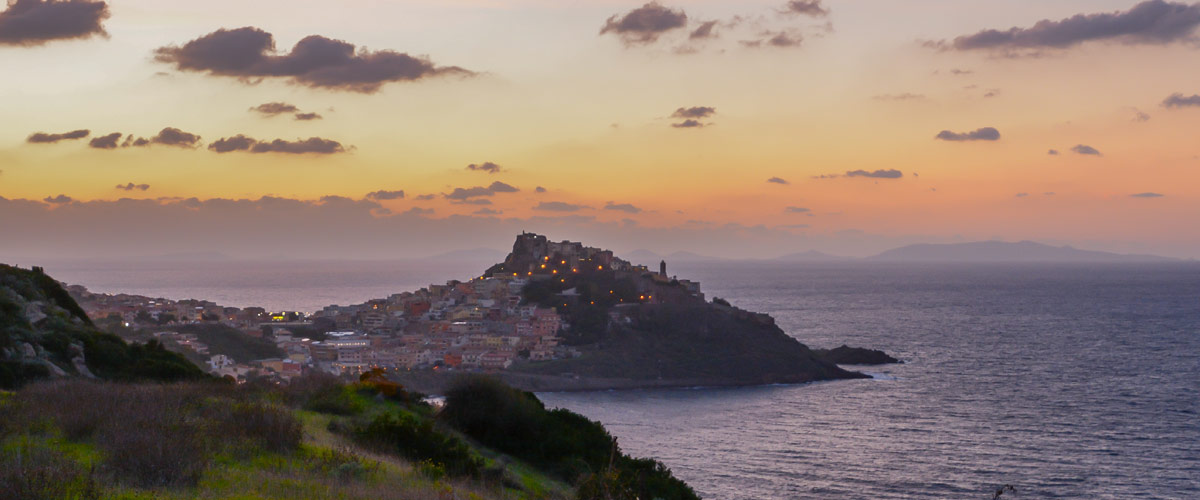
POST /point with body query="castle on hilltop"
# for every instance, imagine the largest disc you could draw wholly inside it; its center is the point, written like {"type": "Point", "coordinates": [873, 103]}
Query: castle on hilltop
{"type": "Point", "coordinates": [535, 257]}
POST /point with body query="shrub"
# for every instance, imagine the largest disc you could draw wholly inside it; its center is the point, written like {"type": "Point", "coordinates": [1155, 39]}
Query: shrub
{"type": "Point", "coordinates": [274, 428]}
{"type": "Point", "coordinates": [31, 472]}
{"type": "Point", "coordinates": [418, 441]}
{"type": "Point", "coordinates": [561, 442]}
{"type": "Point", "coordinates": [324, 393]}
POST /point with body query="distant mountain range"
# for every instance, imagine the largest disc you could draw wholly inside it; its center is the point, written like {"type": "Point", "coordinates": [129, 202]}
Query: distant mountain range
{"type": "Point", "coordinates": [979, 251]}
{"type": "Point", "coordinates": [1000, 251]}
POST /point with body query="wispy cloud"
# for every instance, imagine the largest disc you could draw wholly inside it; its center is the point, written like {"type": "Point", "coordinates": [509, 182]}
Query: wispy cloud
{"type": "Point", "coordinates": [983, 134]}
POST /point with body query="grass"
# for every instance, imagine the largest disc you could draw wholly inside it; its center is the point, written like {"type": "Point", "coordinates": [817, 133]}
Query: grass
{"type": "Point", "coordinates": [84, 440]}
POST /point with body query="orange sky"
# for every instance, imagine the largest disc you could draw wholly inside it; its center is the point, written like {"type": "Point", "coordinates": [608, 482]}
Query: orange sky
{"type": "Point", "coordinates": [587, 116]}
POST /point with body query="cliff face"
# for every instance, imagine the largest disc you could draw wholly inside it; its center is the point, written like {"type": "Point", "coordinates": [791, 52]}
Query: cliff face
{"type": "Point", "coordinates": [44, 333]}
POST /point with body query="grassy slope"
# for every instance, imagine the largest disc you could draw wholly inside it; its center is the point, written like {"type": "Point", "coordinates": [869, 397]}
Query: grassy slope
{"type": "Point", "coordinates": [324, 465]}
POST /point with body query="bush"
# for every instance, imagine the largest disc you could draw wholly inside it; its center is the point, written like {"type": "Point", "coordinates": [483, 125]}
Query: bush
{"type": "Point", "coordinates": [31, 472]}
{"type": "Point", "coordinates": [418, 441]}
{"type": "Point", "coordinates": [274, 428]}
{"type": "Point", "coordinates": [561, 442]}
{"type": "Point", "coordinates": [324, 393]}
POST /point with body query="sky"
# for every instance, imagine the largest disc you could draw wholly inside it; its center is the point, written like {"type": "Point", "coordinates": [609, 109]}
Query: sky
{"type": "Point", "coordinates": [392, 129]}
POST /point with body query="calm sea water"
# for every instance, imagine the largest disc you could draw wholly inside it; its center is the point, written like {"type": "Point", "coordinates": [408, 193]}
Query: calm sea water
{"type": "Point", "coordinates": [1064, 381]}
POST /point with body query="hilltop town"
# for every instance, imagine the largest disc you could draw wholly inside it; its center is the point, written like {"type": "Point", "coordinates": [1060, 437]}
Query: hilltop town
{"type": "Point", "coordinates": [520, 311]}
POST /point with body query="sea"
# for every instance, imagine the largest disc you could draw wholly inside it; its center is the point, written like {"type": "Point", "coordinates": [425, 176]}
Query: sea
{"type": "Point", "coordinates": [1062, 380]}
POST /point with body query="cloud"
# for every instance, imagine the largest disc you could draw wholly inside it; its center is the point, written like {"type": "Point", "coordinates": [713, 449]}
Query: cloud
{"type": "Point", "coordinates": [1147, 195]}
{"type": "Point", "coordinates": [171, 136]}
{"type": "Point", "coordinates": [1155, 22]}
{"type": "Point", "coordinates": [1084, 149]}
{"type": "Point", "coordinates": [705, 30]}
{"type": "Point", "coordinates": [781, 39]}
{"type": "Point", "coordinates": [487, 211]}
{"type": "Point", "coordinates": [304, 117]}
{"type": "Point", "coordinates": [1140, 116]}
{"type": "Point", "coordinates": [1022, 195]}
{"type": "Point", "coordinates": [317, 62]}
{"type": "Point", "coordinates": [472, 201]}
{"type": "Point", "coordinates": [425, 197]}
{"type": "Point", "coordinates": [1052, 152]}
{"type": "Point", "coordinates": [644, 24]}
{"type": "Point", "coordinates": [131, 186]}
{"type": "Point", "coordinates": [806, 7]}
{"type": "Point", "coordinates": [878, 174]}
{"type": "Point", "coordinates": [688, 124]}
{"type": "Point", "coordinates": [45, 138]}
{"type": "Point", "coordinates": [58, 200]}
{"type": "Point", "coordinates": [486, 166]}
{"type": "Point", "coordinates": [1178, 100]}
{"type": "Point", "coordinates": [797, 210]}
{"type": "Point", "coordinates": [385, 195]}
{"type": "Point", "coordinates": [907, 96]}
{"type": "Point", "coordinates": [105, 141]}
{"type": "Point", "coordinates": [778, 180]}
{"type": "Point", "coordinates": [35, 22]}
{"type": "Point", "coordinates": [462, 194]}
{"type": "Point", "coordinates": [983, 134]}
{"type": "Point", "coordinates": [539, 189]}
{"type": "Point", "coordinates": [622, 207]}
{"type": "Point", "coordinates": [418, 211]}
{"type": "Point", "coordinates": [558, 206]}
{"type": "Point", "coordinates": [694, 112]}
{"type": "Point", "coordinates": [312, 145]}
{"type": "Point", "coordinates": [275, 108]}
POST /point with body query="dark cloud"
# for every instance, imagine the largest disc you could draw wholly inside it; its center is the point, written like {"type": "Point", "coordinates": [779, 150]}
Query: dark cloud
{"type": "Point", "coordinates": [797, 210]}
{"type": "Point", "coordinates": [1052, 152]}
{"type": "Point", "coordinates": [45, 138]}
{"type": "Point", "coordinates": [57, 200]}
{"type": "Point", "coordinates": [486, 166]}
{"type": "Point", "coordinates": [688, 124]}
{"type": "Point", "coordinates": [487, 211]}
{"type": "Point", "coordinates": [983, 134]}
{"type": "Point", "coordinates": [878, 174]}
{"type": "Point", "coordinates": [312, 145]}
{"type": "Point", "coordinates": [1147, 195]}
{"type": "Point", "coordinates": [694, 112]}
{"type": "Point", "coordinates": [778, 180]}
{"type": "Point", "coordinates": [385, 195]}
{"type": "Point", "coordinates": [425, 197]}
{"type": "Point", "coordinates": [171, 136]}
{"type": "Point", "coordinates": [558, 206]}
{"type": "Point", "coordinates": [644, 24]}
{"type": "Point", "coordinates": [131, 186]}
{"type": "Point", "coordinates": [418, 211]}
{"type": "Point", "coordinates": [1178, 100]}
{"type": "Point", "coordinates": [705, 30]}
{"type": "Point", "coordinates": [35, 22]}
{"type": "Point", "coordinates": [315, 61]}
{"type": "Point", "coordinates": [539, 189]}
{"type": "Point", "coordinates": [622, 207]}
{"type": "Point", "coordinates": [1084, 149]}
{"type": "Point", "coordinates": [472, 201]}
{"type": "Point", "coordinates": [304, 117]}
{"type": "Point", "coordinates": [806, 7]}
{"type": "Point", "coordinates": [236, 143]}
{"type": "Point", "coordinates": [275, 108]}
{"type": "Point", "coordinates": [462, 194]}
{"type": "Point", "coordinates": [1149, 22]}
{"type": "Point", "coordinates": [105, 141]}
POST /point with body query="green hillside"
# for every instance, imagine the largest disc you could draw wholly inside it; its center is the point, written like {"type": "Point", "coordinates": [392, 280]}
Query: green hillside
{"type": "Point", "coordinates": [45, 334]}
